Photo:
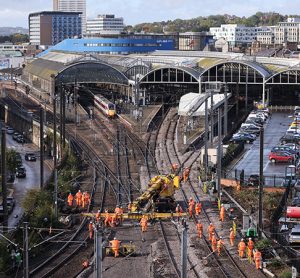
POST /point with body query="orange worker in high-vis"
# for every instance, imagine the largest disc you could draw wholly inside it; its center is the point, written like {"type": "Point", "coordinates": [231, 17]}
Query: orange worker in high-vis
{"type": "Point", "coordinates": [213, 242]}
{"type": "Point", "coordinates": [78, 198]}
{"type": "Point", "coordinates": [257, 259]}
{"type": "Point", "coordinates": [210, 230]}
{"type": "Point", "coordinates": [251, 244]}
{"type": "Point", "coordinates": [98, 214]}
{"type": "Point", "coordinates": [199, 227]}
{"type": "Point", "coordinates": [115, 246]}
{"type": "Point", "coordinates": [231, 237]}
{"type": "Point", "coordinates": [186, 173]}
{"type": "Point", "coordinates": [87, 198]}
{"type": "Point", "coordinates": [179, 211]}
{"type": "Point", "coordinates": [83, 203]}
{"type": "Point", "coordinates": [107, 219]}
{"type": "Point", "coordinates": [220, 244]}
{"type": "Point", "coordinates": [174, 168]}
{"type": "Point", "coordinates": [242, 248]}
{"type": "Point", "coordinates": [91, 229]}
{"type": "Point", "coordinates": [144, 223]}
{"type": "Point", "coordinates": [70, 199]}
{"type": "Point", "coordinates": [198, 208]}
{"type": "Point", "coordinates": [222, 213]}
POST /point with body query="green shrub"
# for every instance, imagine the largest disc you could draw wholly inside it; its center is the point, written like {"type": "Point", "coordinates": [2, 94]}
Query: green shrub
{"type": "Point", "coordinates": [285, 274]}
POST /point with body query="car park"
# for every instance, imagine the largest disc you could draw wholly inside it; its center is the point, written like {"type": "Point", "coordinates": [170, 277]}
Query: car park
{"type": "Point", "coordinates": [21, 172]}
{"type": "Point", "coordinates": [30, 157]}
{"type": "Point", "coordinates": [281, 157]}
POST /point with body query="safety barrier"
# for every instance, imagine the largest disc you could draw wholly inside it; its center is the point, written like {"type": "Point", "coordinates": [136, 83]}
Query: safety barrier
{"type": "Point", "coordinates": [281, 108]}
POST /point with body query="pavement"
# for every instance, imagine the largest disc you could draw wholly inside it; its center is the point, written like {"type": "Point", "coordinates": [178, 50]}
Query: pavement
{"type": "Point", "coordinates": [275, 128]}
{"type": "Point", "coordinates": [32, 180]}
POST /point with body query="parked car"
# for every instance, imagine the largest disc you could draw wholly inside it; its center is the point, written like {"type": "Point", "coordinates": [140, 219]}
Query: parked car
{"type": "Point", "coordinates": [284, 149]}
{"type": "Point", "coordinates": [252, 135]}
{"type": "Point", "coordinates": [241, 138]}
{"type": "Point", "coordinates": [252, 122]}
{"type": "Point", "coordinates": [10, 130]}
{"type": "Point", "coordinates": [296, 202]}
{"type": "Point", "coordinates": [30, 157]}
{"type": "Point", "coordinates": [294, 236]}
{"type": "Point", "coordinates": [20, 139]}
{"type": "Point", "coordinates": [21, 172]}
{"type": "Point", "coordinates": [15, 135]}
{"type": "Point", "coordinates": [293, 146]}
{"type": "Point", "coordinates": [281, 157]}
{"type": "Point", "coordinates": [290, 138]}
{"type": "Point", "coordinates": [19, 159]}
{"type": "Point", "coordinates": [249, 129]}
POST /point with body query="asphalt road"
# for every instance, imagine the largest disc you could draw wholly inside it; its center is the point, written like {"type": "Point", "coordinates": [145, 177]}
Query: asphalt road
{"type": "Point", "coordinates": [32, 180]}
{"type": "Point", "coordinates": [275, 128]}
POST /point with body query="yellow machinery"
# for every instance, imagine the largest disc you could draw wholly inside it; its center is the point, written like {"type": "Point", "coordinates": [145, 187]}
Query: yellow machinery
{"type": "Point", "coordinates": [124, 250]}
{"type": "Point", "coordinates": [159, 196]}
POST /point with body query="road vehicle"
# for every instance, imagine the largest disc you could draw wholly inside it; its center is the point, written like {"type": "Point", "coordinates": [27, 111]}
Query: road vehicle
{"type": "Point", "coordinates": [295, 129]}
{"type": "Point", "coordinates": [21, 172]}
{"type": "Point", "coordinates": [18, 159]}
{"type": "Point", "coordinates": [242, 137]}
{"type": "Point", "coordinates": [292, 146]}
{"type": "Point", "coordinates": [30, 157]}
{"type": "Point", "coordinates": [250, 125]}
{"type": "Point", "coordinates": [252, 135]}
{"type": "Point", "coordinates": [20, 139]}
{"type": "Point", "coordinates": [296, 202]}
{"type": "Point", "coordinates": [281, 157]}
{"type": "Point", "coordinates": [285, 149]}
{"type": "Point", "coordinates": [290, 138]}
{"type": "Point", "coordinates": [105, 106]}
{"type": "Point", "coordinates": [294, 236]}
{"type": "Point", "coordinates": [251, 122]}
{"type": "Point", "coordinates": [249, 129]}
{"type": "Point", "coordinates": [15, 135]}
{"type": "Point", "coordinates": [10, 130]}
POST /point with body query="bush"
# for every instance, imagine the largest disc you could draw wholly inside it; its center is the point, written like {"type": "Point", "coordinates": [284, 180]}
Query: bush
{"type": "Point", "coordinates": [285, 274]}
{"type": "Point", "coordinates": [263, 244]}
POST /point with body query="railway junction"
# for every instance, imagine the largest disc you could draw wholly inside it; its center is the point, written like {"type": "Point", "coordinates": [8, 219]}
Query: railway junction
{"type": "Point", "coordinates": [120, 156]}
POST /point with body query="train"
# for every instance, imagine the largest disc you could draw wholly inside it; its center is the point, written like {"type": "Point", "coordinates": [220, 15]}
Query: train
{"type": "Point", "coordinates": [105, 106]}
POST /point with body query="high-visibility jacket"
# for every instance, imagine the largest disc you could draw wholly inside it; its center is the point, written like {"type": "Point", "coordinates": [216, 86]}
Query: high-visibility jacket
{"type": "Point", "coordinates": [115, 244]}
{"type": "Point", "coordinates": [242, 246]}
{"type": "Point", "coordinates": [179, 209]}
{"type": "Point", "coordinates": [70, 199]}
{"type": "Point", "coordinates": [98, 216]}
{"type": "Point", "coordinates": [144, 221]}
{"type": "Point", "coordinates": [222, 211]}
{"type": "Point", "coordinates": [199, 227]}
{"type": "Point", "coordinates": [198, 208]}
{"type": "Point", "coordinates": [232, 235]}
{"type": "Point", "coordinates": [251, 244]}
{"type": "Point", "coordinates": [220, 243]}
{"type": "Point", "coordinates": [211, 229]}
{"type": "Point", "coordinates": [257, 255]}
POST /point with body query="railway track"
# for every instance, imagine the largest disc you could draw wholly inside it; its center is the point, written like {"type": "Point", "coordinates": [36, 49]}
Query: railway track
{"type": "Point", "coordinates": [228, 266]}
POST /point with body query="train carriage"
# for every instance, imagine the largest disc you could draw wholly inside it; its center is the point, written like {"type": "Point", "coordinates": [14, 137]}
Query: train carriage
{"type": "Point", "coordinates": [106, 107]}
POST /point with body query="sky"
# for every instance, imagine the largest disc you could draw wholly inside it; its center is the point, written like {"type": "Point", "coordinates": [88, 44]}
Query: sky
{"type": "Point", "coordinates": [15, 12]}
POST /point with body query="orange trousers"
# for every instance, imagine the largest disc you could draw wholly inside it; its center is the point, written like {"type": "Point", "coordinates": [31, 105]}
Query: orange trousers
{"type": "Point", "coordinates": [257, 263]}
{"type": "Point", "coordinates": [241, 253]}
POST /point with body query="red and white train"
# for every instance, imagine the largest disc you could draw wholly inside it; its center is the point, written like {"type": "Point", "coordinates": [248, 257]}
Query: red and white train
{"type": "Point", "coordinates": [105, 106]}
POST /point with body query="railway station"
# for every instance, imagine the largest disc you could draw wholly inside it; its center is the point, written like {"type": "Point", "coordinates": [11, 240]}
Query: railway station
{"type": "Point", "coordinates": [144, 128]}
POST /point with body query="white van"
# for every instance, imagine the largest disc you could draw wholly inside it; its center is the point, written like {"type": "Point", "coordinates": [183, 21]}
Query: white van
{"type": "Point", "coordinates": [294, 236]}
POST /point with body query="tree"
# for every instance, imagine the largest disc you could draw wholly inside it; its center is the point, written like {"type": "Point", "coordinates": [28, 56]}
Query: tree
{"type": "Point", "coordinates": [12, 160]}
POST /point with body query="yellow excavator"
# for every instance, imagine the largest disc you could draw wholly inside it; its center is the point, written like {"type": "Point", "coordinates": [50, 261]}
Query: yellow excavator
{"type": "Point", "coordinates": [159, 197]}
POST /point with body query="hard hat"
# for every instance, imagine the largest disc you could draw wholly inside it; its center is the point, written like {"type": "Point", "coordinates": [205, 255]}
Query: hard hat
{"type": "Point", "coordinates": [98, 210]}
{"type": "Point", "coordinates": [210, 223]}
{"type": "Point", "coordinates": [250, 238]}
{"type": "Point", "coordinates": [91, 222]}
{"type": "Point", "coordinates": [242, 239]}
{"type": "Point", "coordinates": [79, 190]}
{"type": "Point", "coordinates": [115, 238]}
{"type": "Point", "coordinates": [222, 205]}
{"type": "Point", "coordinates": [230, 229]}
{"type": "Point", "coordinates": [220, 237]}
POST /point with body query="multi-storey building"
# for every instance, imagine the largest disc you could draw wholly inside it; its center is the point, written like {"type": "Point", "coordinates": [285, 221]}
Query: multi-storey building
{"type": "Point", "coordinates": [235, 34]}
{"type": "Point", "coordinates": [104, 24]}
{"type": "Point", "coordinates": [72, 6]}
{"type": "Point", "coordinates": [288, 31]}
{"type": "Point", "coordinates": [266, 35]}
{"type": "Point", "coordinates": [50, 28]}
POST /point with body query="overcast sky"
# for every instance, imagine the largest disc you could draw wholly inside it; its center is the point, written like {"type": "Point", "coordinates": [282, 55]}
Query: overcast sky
{"type": "Point", "coordinates": [15, 12]}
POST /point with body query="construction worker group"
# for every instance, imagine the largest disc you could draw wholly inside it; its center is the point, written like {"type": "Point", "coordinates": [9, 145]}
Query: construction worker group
{"type": "Point", "coordinates": [81, 199]}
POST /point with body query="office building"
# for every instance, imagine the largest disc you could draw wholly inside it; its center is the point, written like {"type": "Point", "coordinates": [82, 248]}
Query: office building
{"type": "Point", "coordinates": [288, 31]}
{"type": "Point", "coordinates": [104, 24]}
{"type": "Point", "coordinates": [235, 34]}
{"type": "Point", "coordinates": [50, 28]}
{"type": "Point", "coordinates": [72, 6]}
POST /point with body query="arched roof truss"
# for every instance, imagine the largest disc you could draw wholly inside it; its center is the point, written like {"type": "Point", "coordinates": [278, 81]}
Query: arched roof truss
{"type": "Point", "coordinates": [287, 77]}
{"type": "Point", "coordinates": [233, 72]}
{"type": "Point", "coordinates": [91, 72]}
{"type": "Point", "coordinates": [178, 75]}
